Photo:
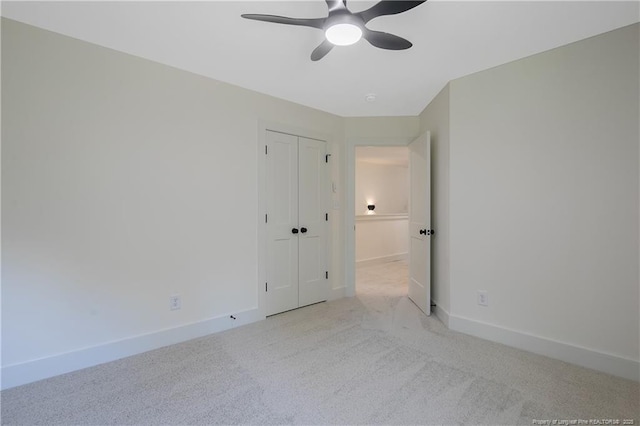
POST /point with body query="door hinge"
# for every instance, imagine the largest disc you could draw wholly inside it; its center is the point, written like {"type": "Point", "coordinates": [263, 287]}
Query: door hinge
{"type": "Point", "coordinates": [326, 158]}
{"type": "Point", "coordinates": [326, 217]}
{"type": "Point", "coordinates": [266, 150]}
{"type": "Point", "coordinates": [326, 275]}
{"type": "Point", "coordinates": [265, 219]}
{"type": "Point", "coordinates": [266, 287]}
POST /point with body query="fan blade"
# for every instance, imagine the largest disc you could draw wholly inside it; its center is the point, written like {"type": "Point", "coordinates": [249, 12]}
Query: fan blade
{"type": "Point", "coordinates": [386, 40]}
{"type": "Point", "coordinates": [335, 5]}
{"type": "Point", "coordinates": [314, 23]}
{"type": "Point", "coordinates": [387, 7]}
{"type": "Point", "coordinates": [320, 51]}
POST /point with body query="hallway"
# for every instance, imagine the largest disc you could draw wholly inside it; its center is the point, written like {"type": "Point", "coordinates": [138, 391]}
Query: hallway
{"type": "Point", "coordinates": [389, 279]}
{"type": "Point", "coordinates": [382, 289]}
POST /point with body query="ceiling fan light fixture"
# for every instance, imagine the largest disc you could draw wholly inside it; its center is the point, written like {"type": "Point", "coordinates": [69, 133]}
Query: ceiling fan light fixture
{"type": "Point", "coordinates": [343, 34]}
{"type": "Point", "coordinates": [343, 27]}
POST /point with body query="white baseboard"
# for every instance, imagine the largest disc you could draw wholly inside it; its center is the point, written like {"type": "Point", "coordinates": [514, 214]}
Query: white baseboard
{"type": "Point", "coordinates": [31, 371]}
{"type": "Point", "coordinates": [607, 363]}
{"type": "Point", "coordinates": [382, 259]}
{"type": "Point", "coordinates": [337, 293]}
{"type": "Point", "coordinates": [442, 315]}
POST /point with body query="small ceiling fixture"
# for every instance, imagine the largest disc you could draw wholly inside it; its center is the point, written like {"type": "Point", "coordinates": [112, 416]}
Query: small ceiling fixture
{"type": "Point", "coordinates": [371, 97]}
{"type": "Point", "coordinates": [343, 28]}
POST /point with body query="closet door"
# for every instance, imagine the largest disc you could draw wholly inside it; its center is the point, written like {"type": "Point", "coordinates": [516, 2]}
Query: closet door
{"type": "Point", "coordinates": [282, 222]}
{"type": "Point", "coordinates": [312, 193]}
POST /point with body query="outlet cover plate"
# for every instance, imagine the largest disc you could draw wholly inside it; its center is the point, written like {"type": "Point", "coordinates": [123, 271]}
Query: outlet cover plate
{"type": "Point", "coordinates": [483, 298]}
{"type": "Point", "coordinates": [175, 302]}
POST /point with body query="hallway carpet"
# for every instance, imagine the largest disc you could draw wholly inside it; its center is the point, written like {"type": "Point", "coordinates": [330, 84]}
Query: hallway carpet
{"type": "Point", "coordinates": [370, 359]}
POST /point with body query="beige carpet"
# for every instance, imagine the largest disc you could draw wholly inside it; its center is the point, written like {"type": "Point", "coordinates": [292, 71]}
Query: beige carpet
{"type": "Point", "coordinates": [372, 359]}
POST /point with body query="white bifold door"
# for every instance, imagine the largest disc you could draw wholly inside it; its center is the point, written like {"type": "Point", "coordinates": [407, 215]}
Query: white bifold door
{"type": "Point", "coordinates": [420, 223]}
{"type": "Point", "coordinates": [296, 221]}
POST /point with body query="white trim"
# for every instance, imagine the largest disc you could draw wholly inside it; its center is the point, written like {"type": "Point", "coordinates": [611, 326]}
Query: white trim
{"type": "Point", "coordinates": [382, 259]}
{"type": "Point", "coordinates": [350, 210]}
{"type": "Point", "coordinates": [261, 245]}
{"type": "Point", "coordinates": [375, 217]}
{"type": "Point", "coordinates": [607, 363]}
{"type": "Point", "coordinates": [441, 313]}
{"type": "Point", "coordinates": [336, 293]}
{"type": "Point", "coordinates": [38, 369]}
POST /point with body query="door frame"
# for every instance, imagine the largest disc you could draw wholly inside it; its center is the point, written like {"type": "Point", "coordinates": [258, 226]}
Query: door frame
{"type": "Point", "coordinates": [263, 126]}
{"type": "Point", "coordinates": [350, 203]}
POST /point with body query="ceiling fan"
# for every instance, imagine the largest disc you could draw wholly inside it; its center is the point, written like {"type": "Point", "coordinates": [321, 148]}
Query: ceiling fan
{"type": "Point", "coordinates": [343, 27]}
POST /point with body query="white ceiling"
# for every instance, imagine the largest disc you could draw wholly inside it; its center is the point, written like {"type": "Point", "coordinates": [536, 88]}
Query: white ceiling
{"type": "Point", "coordinates": [451, 39]}
{"type": "Point", "coordinates": [385, 155]}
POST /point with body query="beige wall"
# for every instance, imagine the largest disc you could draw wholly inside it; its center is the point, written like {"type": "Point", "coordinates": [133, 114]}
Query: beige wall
{"type": "Point", "coordinates": [124, 182]}
{"type": "Point", "coordinates": [381, 239]}
{"type": "Point", "coordinates": [386, 185]}
{"type": "Point", "coordinates": [544, 196]}
{"type": "Point", "coordinates": [380, 131]}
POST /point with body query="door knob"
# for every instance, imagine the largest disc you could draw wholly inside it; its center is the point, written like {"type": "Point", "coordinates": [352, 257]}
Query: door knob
{"type": "Point", "coordinates": [303, 230]}
{"type": "Point", "coordinates": [294, 230]}
{"type": "Point", "coordinates": [423, 232]}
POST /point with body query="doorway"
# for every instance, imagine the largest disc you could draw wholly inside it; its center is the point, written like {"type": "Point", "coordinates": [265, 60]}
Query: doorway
{"type": "Point", "coordinates": [381, 219]}
{"type": "Point", "coordinates": [419, 215]}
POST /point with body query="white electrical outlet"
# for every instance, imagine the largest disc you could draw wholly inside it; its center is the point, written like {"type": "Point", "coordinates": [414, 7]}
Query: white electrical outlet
{"type": "Point", "coordinates": [175, 302]}
{"type": "Point", "coordinates": [483, 298]}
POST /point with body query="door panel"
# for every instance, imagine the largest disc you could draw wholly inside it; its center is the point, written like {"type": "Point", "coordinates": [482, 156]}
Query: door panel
{"type": "Point", "coordinates": [420, 223]}
{"type": "Point", "coordinates": [313, 285]}
{"type": "Point", "coordinates": [283, 282]}
{"type": "Point", "coordinates": [282, 208]}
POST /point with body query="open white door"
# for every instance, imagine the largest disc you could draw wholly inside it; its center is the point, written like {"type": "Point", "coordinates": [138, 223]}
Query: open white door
{"type": "Point", "coordinates": [420, 223]}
